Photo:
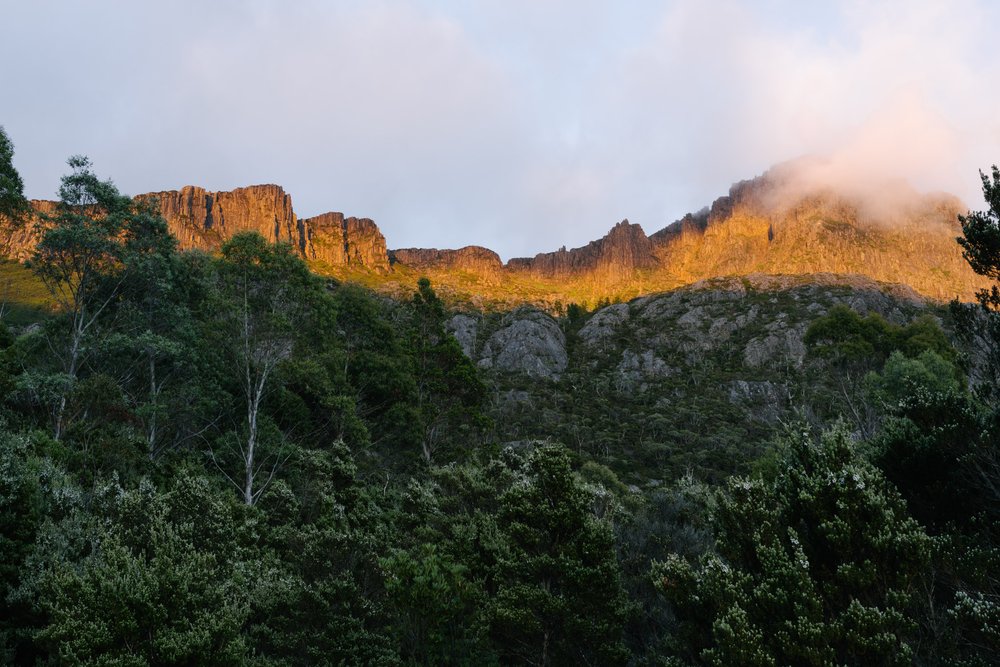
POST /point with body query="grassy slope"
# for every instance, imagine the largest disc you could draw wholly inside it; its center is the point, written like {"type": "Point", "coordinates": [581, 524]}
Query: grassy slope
{"type": "Point", "coordinates": [23, 297]}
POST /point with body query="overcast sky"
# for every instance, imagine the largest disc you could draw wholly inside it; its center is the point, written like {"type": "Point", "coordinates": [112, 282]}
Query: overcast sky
{"type": "Point", "coordinates": [522, 125]}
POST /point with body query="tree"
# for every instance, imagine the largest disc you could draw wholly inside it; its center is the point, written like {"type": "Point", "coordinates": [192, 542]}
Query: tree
{"type": "Point", "coordinates": [84, 256]}
{"type": "Point", "coordinates": [902, 377]}
{"type": "Point", "coordinates": [153, 345]}
{"type": "Point", "coordinates": [135, 576]}
{"type": "Point", "coordinates": [21, 512]}
{"type": "Point", "coordinates": [980, 238]}
{"type": "Point", "coordinates": [267, 297]}
{"type": "Point", "coordinates": [449, 391]}
{"type": "Point", "coordinates": [820, 565]}
{"type": "Point", "coordinates": [13, 205]}
{"type": "Point", "coordinates": [559, 598]}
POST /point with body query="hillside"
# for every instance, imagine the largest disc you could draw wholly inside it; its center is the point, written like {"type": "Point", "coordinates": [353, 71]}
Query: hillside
{"type": "Point", "coordinates": [631, 384]}
{"type": "Point", "coordinates": [778, 223]}
{"type": "Point", "coordinates": [308, 472]}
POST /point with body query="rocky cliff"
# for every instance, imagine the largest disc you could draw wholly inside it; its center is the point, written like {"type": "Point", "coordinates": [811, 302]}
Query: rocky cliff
{"type": "Point", "coordinates": [779, 223]}
{"type": "Point", "coordinates": [617, 256]}
{"type": "Point", "coordinates": [337, 241]}
{"type": "Point", "coordinates": [775, 225]}
{"type": "Point", "coordinates": [474, 259]}
{"type": "Point", "coordinates": [19, 241]}
{"type": "Point", "coordinates": [364, 245]}
{"type": "Point", "coordinates": [325, 239]}
{"type": "Point", "coordinates": [202, 219]}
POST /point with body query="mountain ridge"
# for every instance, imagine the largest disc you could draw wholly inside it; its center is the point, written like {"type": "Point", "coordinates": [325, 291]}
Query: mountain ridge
{"type": "Point", "coordinates": [777, 223]}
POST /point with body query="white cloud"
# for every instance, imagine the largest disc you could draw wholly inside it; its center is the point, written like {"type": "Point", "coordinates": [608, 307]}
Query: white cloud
{"type": "Point", "coordinates": [519, 125]}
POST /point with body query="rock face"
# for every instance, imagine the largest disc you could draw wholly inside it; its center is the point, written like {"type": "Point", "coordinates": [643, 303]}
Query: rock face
{"type": "Point", "coordinates": [19, 242]}
{"type": "Point", "coordinates": [784, 223]}
{"type": "Point", "coordinates": [202, 219]}
{"type": "Point", "coordinates": [206, 220]}
{"type": "Point", "coordinates": [465, 329]}
{"type": "Point", "coordinates": [635, 369]}
{"type": "Point", "coordinates": [531, 343]}
{"type": "Point", "coordinates": [603, 325]}
{"type": "Point", "coordinates": [324, 238]}
{"type": "Point", "coordinates": [474, 259]}
{"type": "Point", "coordinates": [620, 253]}
{"type": "Point", "coordinates": [364, 245]}
{"type": "Point", "coordinates": [338, 241]}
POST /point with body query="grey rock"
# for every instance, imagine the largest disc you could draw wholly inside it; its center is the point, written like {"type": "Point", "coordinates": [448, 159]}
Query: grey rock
{"type": "Point", "coordinates": [603, 325]}
{"type": "Point", "coordinates": [531, 344]}
{"type": "Point", "coordinates": [722, 328]}
{"type": "Point", "coordinates": [781, 345]}
{"type": "Point", "coordinates": [741, 391]}
{"type": "Point", "coordinates": [635, 369]}
{"type": "Point", "coordinates": [694, 318]}
{"type": "Point", "coordinates": [464, 328]}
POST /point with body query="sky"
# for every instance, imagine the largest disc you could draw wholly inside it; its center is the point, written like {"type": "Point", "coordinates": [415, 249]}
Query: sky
{"type": "Point", "coordinates": [520, 125]}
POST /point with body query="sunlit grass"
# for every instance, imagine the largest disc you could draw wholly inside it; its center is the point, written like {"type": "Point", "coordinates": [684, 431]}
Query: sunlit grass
{"type": "Point", "coordinates": [23, 297]}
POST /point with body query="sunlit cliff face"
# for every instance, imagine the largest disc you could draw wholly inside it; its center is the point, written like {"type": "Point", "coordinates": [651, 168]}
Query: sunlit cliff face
{"type": "Point", "coordinates": [804, 217]}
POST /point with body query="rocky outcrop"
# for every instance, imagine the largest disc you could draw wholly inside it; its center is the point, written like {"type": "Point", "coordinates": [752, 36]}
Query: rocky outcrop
{"type": "Point", "coordinates": [324, 238]}
{"type": "Point", "coordinates": [531, 343]}
{"type": "Point", "coordinates": [205, 220]}
{"type": "Point", "coordinates": [364, 245]}
{"type": "Point", "coordinates": [336, 241]}
{"type": "Point", "coordinates": [622, 251]}
{"type": "Point", "coordinates": [637, 368]}
{"type": "Point", "coordinates": [473, 259]}
{"type": "Point", "coordinates": [465, 329]}
{"type": "Point", "coordinates": [202, 219]}
{"type": "Point", "coordinates": [17, 241]}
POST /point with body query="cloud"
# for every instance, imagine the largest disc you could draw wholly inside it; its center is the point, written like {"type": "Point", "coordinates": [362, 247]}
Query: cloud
{"type": "Point", "coordinates": [518, 125]}
{"type": "Point", "coordinates": [722, 92]}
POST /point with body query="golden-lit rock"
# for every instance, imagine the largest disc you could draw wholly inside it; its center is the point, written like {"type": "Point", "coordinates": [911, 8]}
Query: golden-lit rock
{"type": "Point", "coordinates": [783, 223]}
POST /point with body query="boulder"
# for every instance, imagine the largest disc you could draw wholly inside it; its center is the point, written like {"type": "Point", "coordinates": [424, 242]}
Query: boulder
{"type": "Point", "coordinates": [531, 344]}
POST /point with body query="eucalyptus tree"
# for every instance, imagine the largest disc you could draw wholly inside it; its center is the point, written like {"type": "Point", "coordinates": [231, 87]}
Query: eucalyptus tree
{"type": "Point", "coordinates": [268, 302]}
{"type": "Point", "coordinates": [84, 255]}
{"type": "Point", "coordinates": [13, 205]}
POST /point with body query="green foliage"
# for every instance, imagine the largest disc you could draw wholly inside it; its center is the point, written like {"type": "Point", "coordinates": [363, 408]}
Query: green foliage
{"type": "Point", "coordinates": [980, 238]}
{"type": "Point", "coordinates": [21, 512]}
{"type": "Point", "coordinates": [848, 338]}
{"type": "Point", "coordinates": [138, 578]}
{"type": "Point", "coordinates": [821, 565]}
{"type": "Point", "coordinates": [559, 597]}
{"type": "Point", "coordinates": [13, 205]}
{"type": "Point", "coordinates": [432, 601]}
{"type": "Point", "coordinates": [267, 302]}
{"type": "Point", "coordinates": [902, 377]}
{"type": "Point", "coordinates": [405, 508]}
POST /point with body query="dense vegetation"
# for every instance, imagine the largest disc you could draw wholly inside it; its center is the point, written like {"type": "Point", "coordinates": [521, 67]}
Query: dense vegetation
{"type": "Point", "coordinates": [228, 460]}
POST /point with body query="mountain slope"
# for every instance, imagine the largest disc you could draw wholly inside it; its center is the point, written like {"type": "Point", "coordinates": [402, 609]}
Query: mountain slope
{"type": "Point", "coordinates": [780, 223]}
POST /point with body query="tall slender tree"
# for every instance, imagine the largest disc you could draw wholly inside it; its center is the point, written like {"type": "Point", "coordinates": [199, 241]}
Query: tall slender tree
{"type": "Point", "coordinates": [84, 255]}
{"type": "Point", "coordinates": [267, 297]}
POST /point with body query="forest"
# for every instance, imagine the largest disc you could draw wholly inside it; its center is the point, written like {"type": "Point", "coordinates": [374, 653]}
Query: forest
{"type": "Point", "coordinates": [224, 459]}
